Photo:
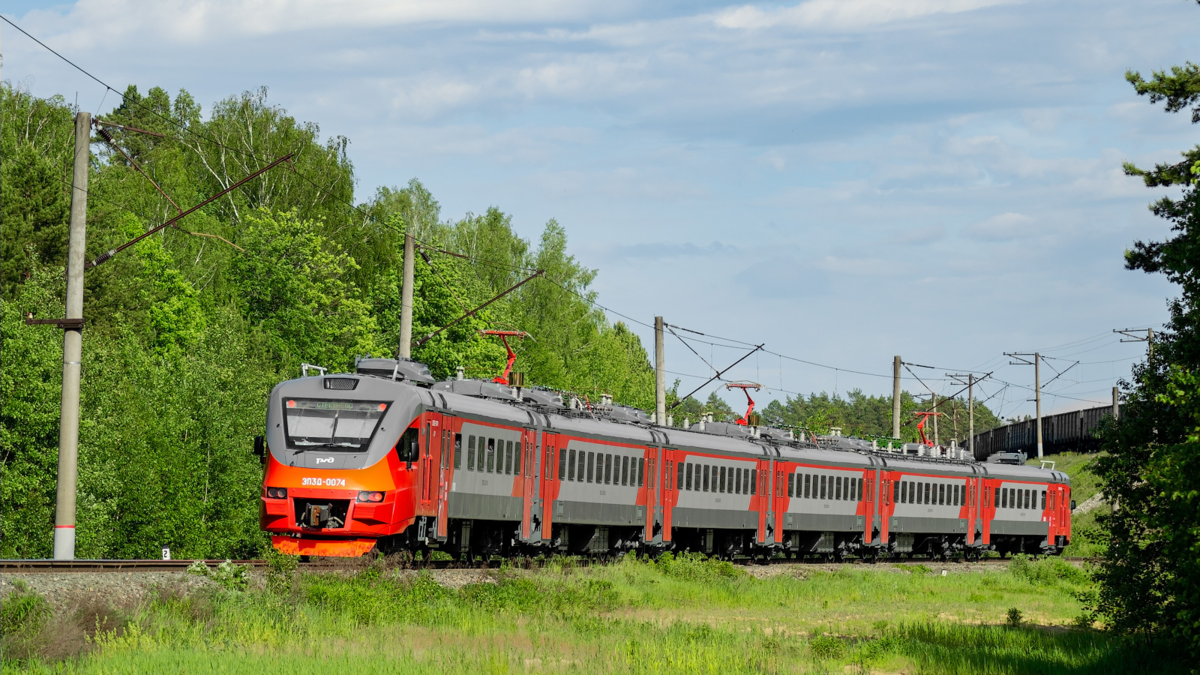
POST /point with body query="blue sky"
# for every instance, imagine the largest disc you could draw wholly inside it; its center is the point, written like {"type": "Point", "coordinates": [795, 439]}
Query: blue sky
{"type": "Point", "coordinates": [844, 180]}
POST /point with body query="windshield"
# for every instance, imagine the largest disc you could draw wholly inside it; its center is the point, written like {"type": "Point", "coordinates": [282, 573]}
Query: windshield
{"type": "Point", "coordinates": [316, 423]}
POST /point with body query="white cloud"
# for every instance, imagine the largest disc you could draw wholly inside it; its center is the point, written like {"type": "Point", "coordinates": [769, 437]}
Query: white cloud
{"type": "Point", "coordinates": [843, 14]}
{"type": "Point", "coordinates": [1003, 227]}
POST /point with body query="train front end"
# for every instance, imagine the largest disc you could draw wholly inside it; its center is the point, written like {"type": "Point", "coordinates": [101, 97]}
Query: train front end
{"type": "Point", "coordinates": [337, 477]}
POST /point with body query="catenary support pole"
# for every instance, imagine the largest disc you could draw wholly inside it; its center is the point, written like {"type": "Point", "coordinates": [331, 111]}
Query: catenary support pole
{"type": "Point", "coordinates": [1037, 385]}
{"type": "Point", "coordinates": [406, 297]}
{"type": "Point", "coordinates": [971, 415]}
{"type": "Point", "coordinates": [935, 429]}
{"type": "Point", "coordinates": [1116, 404]}
{"type": "Point", "coordinates": [68, 431]}
{"type": "Point", "coordinates": [660, 388]}
{"type": "Point", "coordinates": [896, 397]}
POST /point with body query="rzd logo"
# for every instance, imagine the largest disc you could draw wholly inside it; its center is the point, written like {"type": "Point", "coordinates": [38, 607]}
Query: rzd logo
{"type": "Point", "coordinates": [323, 460]}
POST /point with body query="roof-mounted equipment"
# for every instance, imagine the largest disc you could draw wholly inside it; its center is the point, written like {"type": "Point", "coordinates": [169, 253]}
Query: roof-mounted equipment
{"type": "Point", "coordinates": [746, 387]}
{"type": "Point", "coordinates": [512, 356]}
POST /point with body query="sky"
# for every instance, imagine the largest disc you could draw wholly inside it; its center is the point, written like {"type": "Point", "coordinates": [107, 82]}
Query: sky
{"type": "Point", "coordinates": [839, 180]}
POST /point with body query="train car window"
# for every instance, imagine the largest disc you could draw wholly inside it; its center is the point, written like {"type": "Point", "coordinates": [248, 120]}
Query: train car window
{"type": "Point", "coordinates": [571, 464]}
{"type": "Point", "coordinates": [641, 472]}
{"type": "Point", "coordinates": [718, 479]}
{"type": "Point", "coordinates": [791, 485]}
{"type": "Point", "coordinates": [687, 477]}
{"type": "Point", "coordinates": [745, 481]}
{"type": "Point", "coordinates": [1043, 500]}
{"type": "Point", "coordinates": [1004, 498]}
{"type": "Point", "coordinates": [609, 478]}
{"type": "Point", "coordinates": [470, 453]}
{"type": "Point", "coordinates": [591, 459]}
{"type": "Point", "coordinates": [835, 488]}
{"type": "Point", "coordinates": [457, 451]}
{"type": "Point", "coordinates": [1028, 499]}
{"type": "Point", "coordinates": [851, 489]}
{"type": "Point", "coordinates": [899, 491]}
{"type": "Point", "coordinates": [860, 490]}
{"type": "Point", "coordinates": [942, 495]}
{"type": "Point", "coordinates": [623, 471]}
{"type": "Point", "coordinates": [678, 475]}
{"type": "Point", "coordinates": [823, 487]}
{"type": "Point", "coordinates": [807, 481]}
{"type": "Point", "coordinates": [491, 455]}
{"type": "Point", "coordinates": [706, 471]}
{"type": "Point", "coordinates": [562, 463]}
{"type": "Point", "coordinates": [753, 481]}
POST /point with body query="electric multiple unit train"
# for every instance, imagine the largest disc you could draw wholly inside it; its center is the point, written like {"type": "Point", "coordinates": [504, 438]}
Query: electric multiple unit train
{"type": "Point", "coordinates": [387, 458]}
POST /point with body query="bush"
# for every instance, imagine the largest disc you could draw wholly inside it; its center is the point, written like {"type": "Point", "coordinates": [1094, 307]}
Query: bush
{"type": "Point", "coordinates": [696, 567]}
{"type": "Point", "coordinates": [1014, 618]}
{"type": "Point", "coordinates": [826, 647]}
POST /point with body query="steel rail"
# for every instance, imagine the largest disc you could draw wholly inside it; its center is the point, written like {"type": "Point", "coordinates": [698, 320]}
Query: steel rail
{"type": "Point", "coordinates": [11, 566]}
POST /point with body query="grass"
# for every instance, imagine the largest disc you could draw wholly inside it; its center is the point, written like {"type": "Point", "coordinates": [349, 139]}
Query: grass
{"type": "Point", "coordinates": [675, 615]}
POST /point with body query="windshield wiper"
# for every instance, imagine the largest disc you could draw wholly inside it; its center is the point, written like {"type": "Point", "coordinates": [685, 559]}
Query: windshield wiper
{"type": "Point", "coordinates": [305, 445]}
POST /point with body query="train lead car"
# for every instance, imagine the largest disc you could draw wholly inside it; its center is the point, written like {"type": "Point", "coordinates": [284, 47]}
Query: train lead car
{"type": "Point", "coordinates": [386, 458]}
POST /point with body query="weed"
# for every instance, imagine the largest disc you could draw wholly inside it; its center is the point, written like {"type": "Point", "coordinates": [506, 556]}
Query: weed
{"type": "Point", "coordinates": [1014, 618]}
{"type": "Point", "coordinates": [826, 647]}
{"type": "Point", "coordinates": [228, 574]}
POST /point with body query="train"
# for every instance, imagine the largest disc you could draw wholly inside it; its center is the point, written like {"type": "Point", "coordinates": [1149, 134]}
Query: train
{"type": "Point", "coordinates": [1073, 431]}
{"type": "Point", "coordinates": [385, 458]}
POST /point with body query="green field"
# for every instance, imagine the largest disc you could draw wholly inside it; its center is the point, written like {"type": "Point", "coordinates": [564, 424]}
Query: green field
{"type": "Point", "coordinates": [686, 615]}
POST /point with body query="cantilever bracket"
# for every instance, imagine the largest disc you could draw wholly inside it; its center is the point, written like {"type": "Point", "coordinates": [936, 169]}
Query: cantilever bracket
{"type": "Point", "coordinates": [65, 324]}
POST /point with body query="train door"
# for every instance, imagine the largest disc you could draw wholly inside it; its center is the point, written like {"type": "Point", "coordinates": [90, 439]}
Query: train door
{"type": "Point", "coordinates": [987, 509]}
{"type": "Point", "coordinates": [779, 503]}
{"type": "Point", "coordinates": [552, 452]}
{"type": "Point", "coordinates": [761, 499]}
{"type": "Point", "coordinates": [887, 504]}
{"type": "Point", "coordinates": [867, 508]}
{"type": "Point", "coordinates": [652, 510]}
{"type": "Point", "coordinates": [970, 509]}
{"type": "Point", "coordinates": [451, 458]}
{"type": "Point", "coordinates": [530, 517]}
{"type": "Point", "coordinates": [670, 489]}
{"type": "Point", "coordinates": [427, 464]}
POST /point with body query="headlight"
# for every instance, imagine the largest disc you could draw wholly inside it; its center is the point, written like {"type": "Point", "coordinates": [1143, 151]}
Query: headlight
{"type": "Point", "coordinates": [365, 496]}
{"type": "Point", "coordinates": [277, 493]}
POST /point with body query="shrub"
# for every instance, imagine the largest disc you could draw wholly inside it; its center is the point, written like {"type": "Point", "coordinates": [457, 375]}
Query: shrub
{"type": "Point", "coordinates": [826, 647]}
{"type": "Point", "coordinates": [1014, 618]}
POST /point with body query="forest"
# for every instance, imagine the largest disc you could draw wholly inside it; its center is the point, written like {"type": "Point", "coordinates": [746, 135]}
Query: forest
{"type": "Point", "coordinates": [188, 330]}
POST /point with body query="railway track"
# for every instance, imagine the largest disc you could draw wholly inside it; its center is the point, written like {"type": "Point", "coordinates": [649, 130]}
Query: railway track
{"type": "Point", "coordinates": [141, 566]}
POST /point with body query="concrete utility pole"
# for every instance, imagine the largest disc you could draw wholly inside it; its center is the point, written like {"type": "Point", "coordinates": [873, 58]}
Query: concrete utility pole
{"type": "Point", "coordinates": [896, 397]}
{"type": "Point", "coordinates": [660, 387]}
{"type": "Point", "coordinates": [1037, 387]}
{"type": "Point", "coordinates": [971, 415]}
{"type": "Point", "coordinates": [1116, 404]}
{"type": "Point", "coordinates": [935, 429]}
{"type": "Point", "coordinates": [970, 406]}
{"type": "Point", "coordinates": [68, 431]}
{"type": "Point", "coordinates": [406, 298]}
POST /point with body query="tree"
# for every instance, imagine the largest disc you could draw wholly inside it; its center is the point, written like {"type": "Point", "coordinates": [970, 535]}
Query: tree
{"type": "Point", "coordinates": [294, 284]}
{"type": "Point", "coordinates": [1149, 577]}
